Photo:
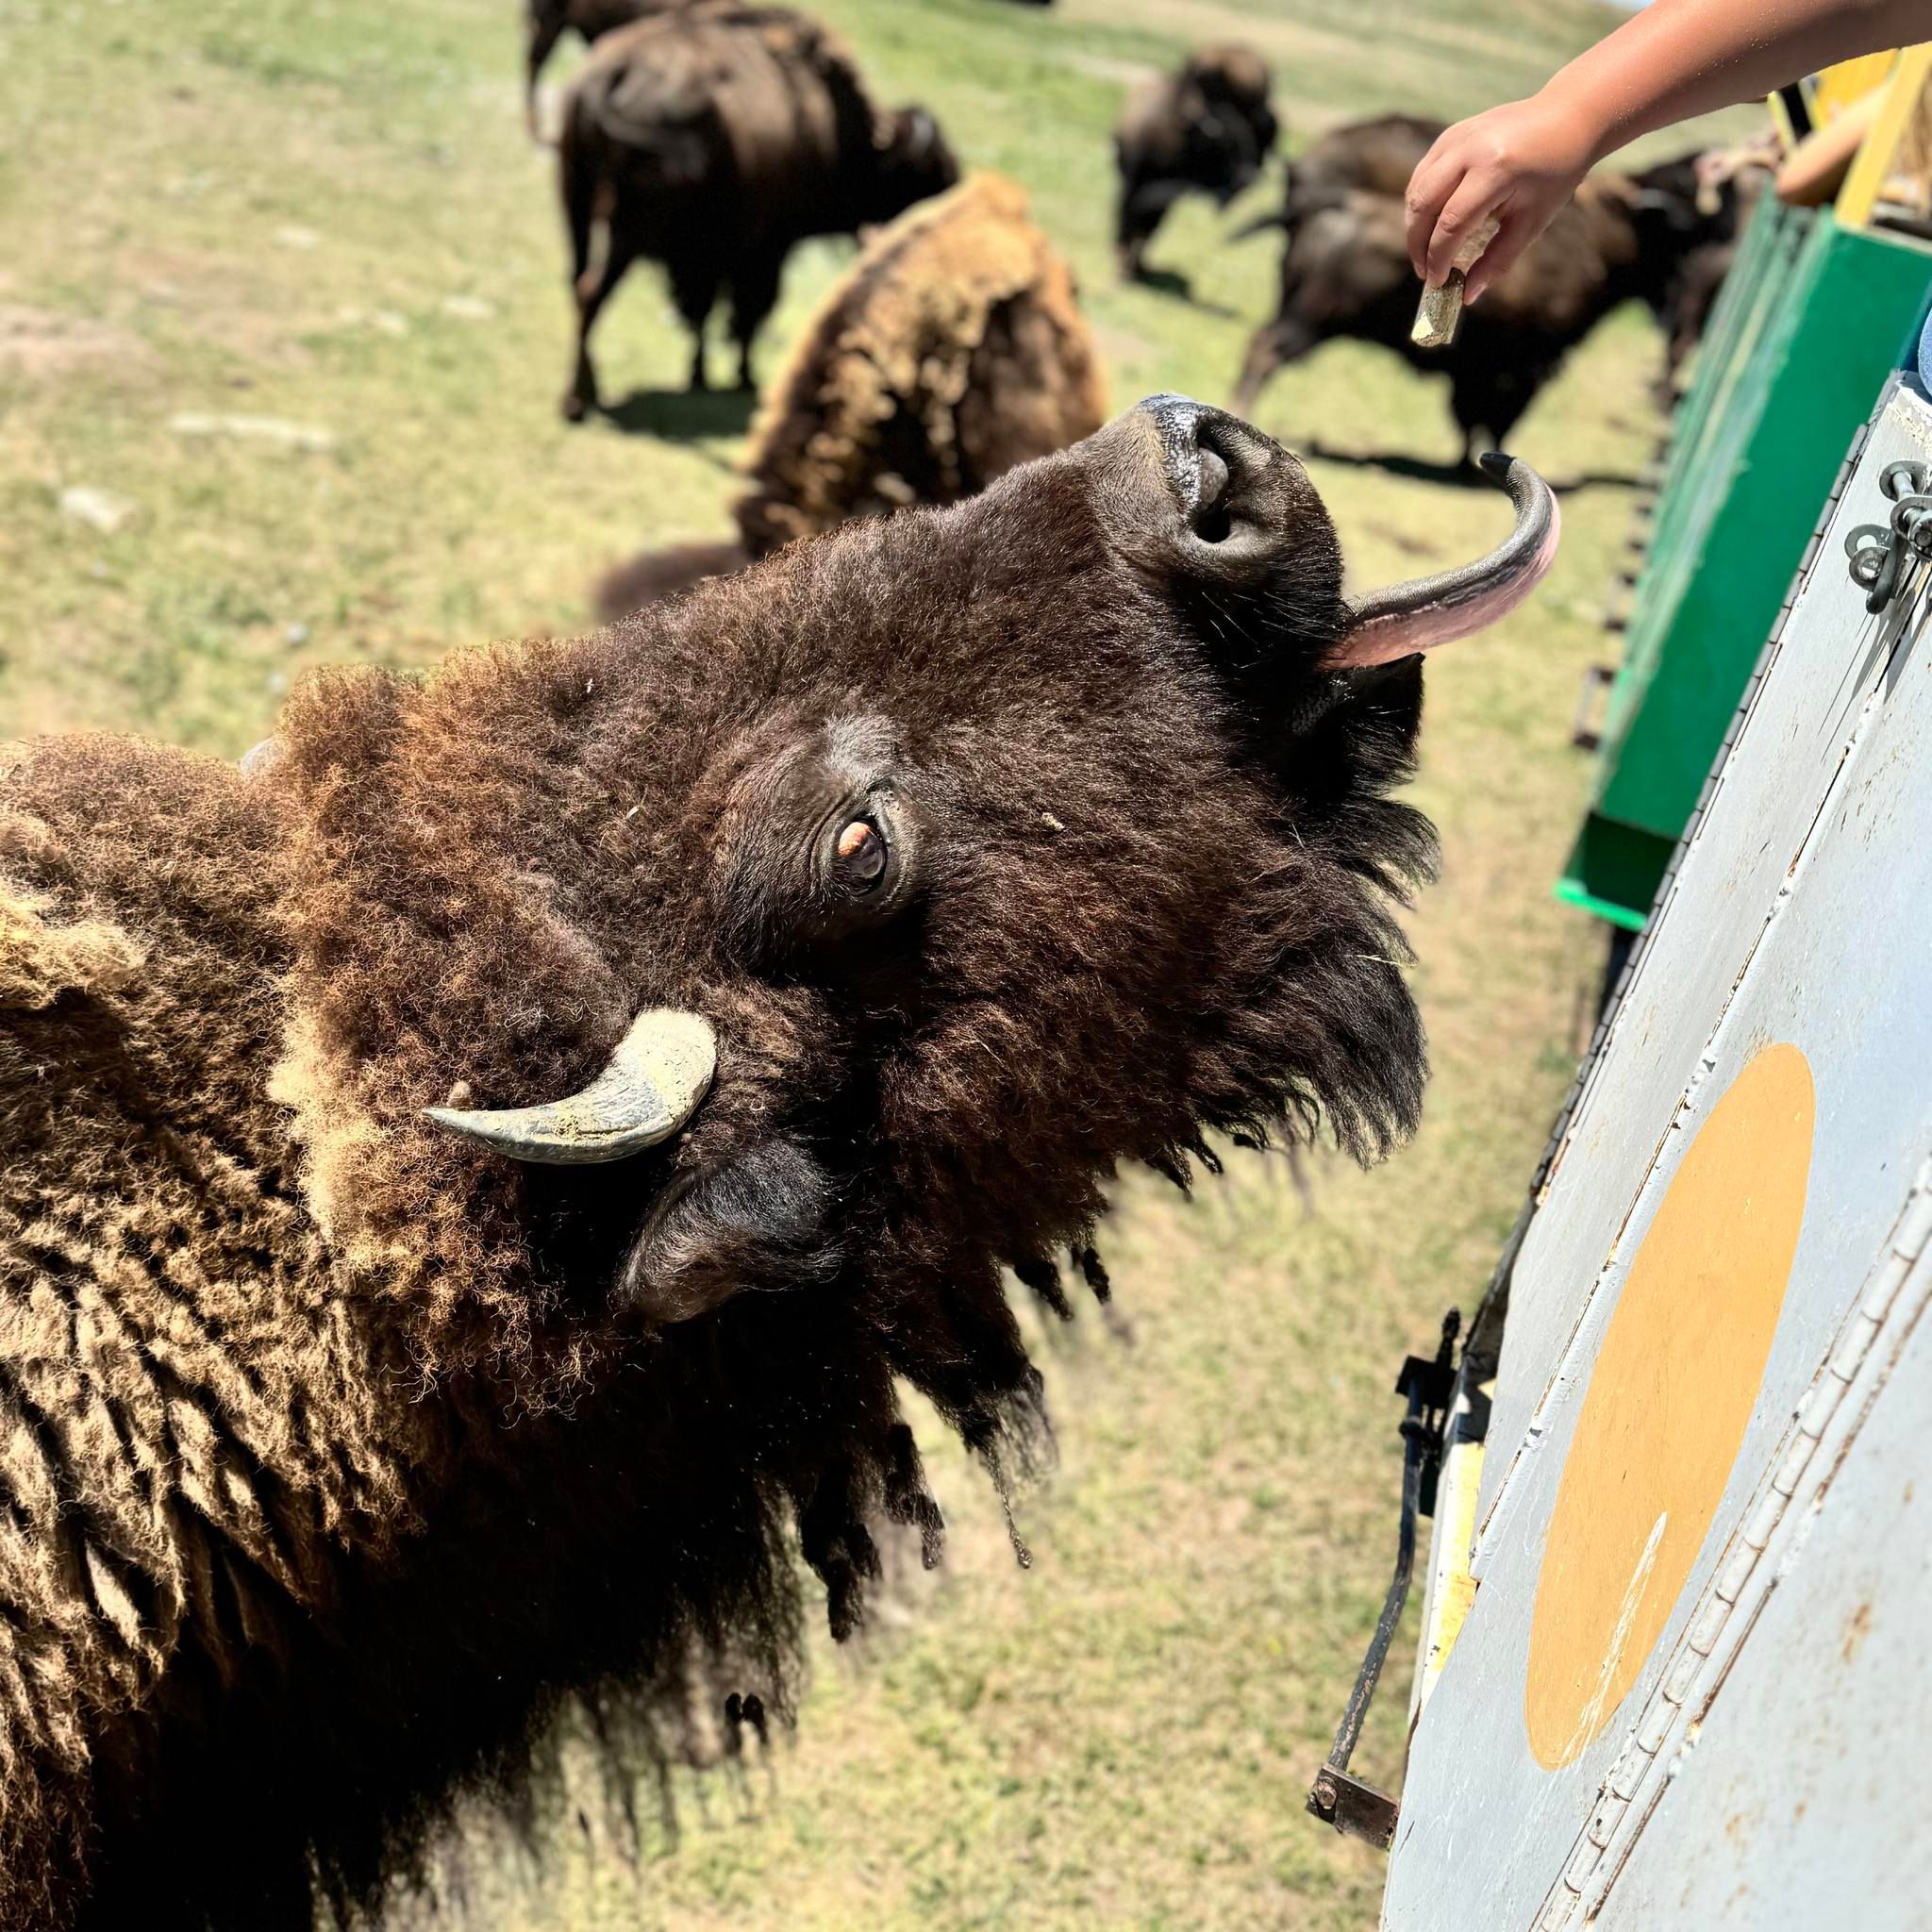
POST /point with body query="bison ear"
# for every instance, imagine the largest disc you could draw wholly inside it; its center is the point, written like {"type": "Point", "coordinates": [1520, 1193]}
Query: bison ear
{"type": "Point", "coordinates": [649, 1088]}
{"type": "Point", "coordinates": [913, 132]}
{"type": "Point", "coordinates": [756, 1219]}
{"type": "Point", "coordinates": [1428, 611]}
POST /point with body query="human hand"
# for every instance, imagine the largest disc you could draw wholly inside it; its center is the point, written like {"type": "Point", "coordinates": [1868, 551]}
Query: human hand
{"type": "Point", "coordinates": [1516, 164]}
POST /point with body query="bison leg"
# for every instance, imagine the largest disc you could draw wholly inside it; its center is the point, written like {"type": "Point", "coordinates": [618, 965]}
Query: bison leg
{"type": "Point", "coordinates": [1130, 239]}
{"type": "Point", "coordinates": [1488, 404]}
{"type": "Point", "coordinates": [1143, 207]}
{"type": "Point", "coordinates": [694, 290]}
{"type": "Point", "coordinates": [593, 288]}
{"type": "Point", "coordinates": [1275, 345]}
{"type": "Point", "coordinates": [754, 295]}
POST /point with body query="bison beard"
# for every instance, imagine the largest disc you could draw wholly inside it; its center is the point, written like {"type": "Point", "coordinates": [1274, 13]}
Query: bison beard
{"type": "Point", "coordinates": [339, 1450]}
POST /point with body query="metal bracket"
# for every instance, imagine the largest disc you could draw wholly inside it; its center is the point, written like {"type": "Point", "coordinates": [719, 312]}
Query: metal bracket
{"type": "Point", "coordinates": [1353, 1808]}
{"type": "Point", "coordinates": [1585, 733]}
{"type": "Point", "coordinates": [1883, 555]}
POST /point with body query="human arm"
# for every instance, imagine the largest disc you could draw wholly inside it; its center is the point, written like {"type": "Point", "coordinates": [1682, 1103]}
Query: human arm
{"type": "Point", "coordinates": [1520, 162]}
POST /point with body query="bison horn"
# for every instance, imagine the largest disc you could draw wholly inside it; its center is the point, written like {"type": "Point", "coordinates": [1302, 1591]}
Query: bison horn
{"type": "Point", "coordinates": [1426, 611]}
{"type": "Point", "coordinates": [651, 1086]}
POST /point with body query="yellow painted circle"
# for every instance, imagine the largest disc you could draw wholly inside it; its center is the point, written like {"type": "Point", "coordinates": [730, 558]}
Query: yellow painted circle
{"type": "Point", "coordinates": [1673, 1388]}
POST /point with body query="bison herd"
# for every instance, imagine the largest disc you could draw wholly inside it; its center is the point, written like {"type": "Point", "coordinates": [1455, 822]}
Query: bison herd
{"type": "Point", "coordinates": [710, 136]}
{"type": "Point", "coordinates": [478, 1174]}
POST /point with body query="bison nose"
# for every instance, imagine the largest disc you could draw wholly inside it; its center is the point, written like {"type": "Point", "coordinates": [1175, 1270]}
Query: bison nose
{"type": "Point", "coordinates": [1223, 474]}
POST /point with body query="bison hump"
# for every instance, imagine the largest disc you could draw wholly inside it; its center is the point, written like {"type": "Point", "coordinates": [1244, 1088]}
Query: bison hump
{"type": "Point", "coordinates": [43, 958]}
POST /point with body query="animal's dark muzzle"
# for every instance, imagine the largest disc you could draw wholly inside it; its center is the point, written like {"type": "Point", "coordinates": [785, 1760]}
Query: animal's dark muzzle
{"type": "Point", "coordinates": [1230, 483]}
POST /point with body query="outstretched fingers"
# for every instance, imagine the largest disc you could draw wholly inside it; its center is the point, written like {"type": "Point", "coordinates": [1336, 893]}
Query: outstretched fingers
{"type": "Point", "coordinates": [1438, 175]}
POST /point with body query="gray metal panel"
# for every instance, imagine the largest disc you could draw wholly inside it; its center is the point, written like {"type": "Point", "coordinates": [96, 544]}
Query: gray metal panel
{"type": "Point", "coordinates": [1806, 1799]}
{"type": "Point", "coordinates": [1731, 877]}
{"type": "Point", "coordinates": [1798, 915]}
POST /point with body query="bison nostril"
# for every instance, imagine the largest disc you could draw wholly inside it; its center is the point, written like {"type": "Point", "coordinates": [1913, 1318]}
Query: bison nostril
{"type": "Point", "coordinates": [1211, 519]}
{"type": "Point", "coordinates": [1219, 471]}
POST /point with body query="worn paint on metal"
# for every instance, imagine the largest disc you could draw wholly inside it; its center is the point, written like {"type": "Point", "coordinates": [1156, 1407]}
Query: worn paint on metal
{"type": "Point", "coordinates": [1762, 1766]}
{"type": "Point", "coordinates": [1672, 1388]}
{"type": "Point", "coordinates": [1451, 1589]}
{"type": "Point", "coordinates": [1645, 1086]}
{"type": "Point", "coordinates": [1744, 1779]}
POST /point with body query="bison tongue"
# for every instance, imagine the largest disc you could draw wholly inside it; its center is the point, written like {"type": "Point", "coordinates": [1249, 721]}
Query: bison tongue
{"type": "Point", "coordinates": [1418, 615]}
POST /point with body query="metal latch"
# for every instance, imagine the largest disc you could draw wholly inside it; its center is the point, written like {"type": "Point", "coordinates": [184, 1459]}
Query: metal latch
{"type": "Point", "coordinates": [1881, 554]}
{"type": "Point", "coordinates": [1353, 1808]}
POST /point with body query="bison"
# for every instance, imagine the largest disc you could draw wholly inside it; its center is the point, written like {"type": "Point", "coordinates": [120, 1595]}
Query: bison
{"type": "Point", "coordinates": [1345, 272]}
{"type": "Point", "coordinates": [1726, 184]}
{"type": "Point", "coordinates": [951, 350]}
{"type": "Point", "coordinates": [712, 140]}
{"type": "Point", "coordinates": [590, 19]}
{"type": "Point", "coordinates": [476, 1176]}
{"type": "Point", "coordinates": [1206, 128]}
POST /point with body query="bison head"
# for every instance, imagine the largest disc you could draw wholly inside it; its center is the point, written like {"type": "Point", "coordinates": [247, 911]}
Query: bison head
{"type": "Point", "coordinates": [794, 955]}
{"type": "Point", "coordinates": [911, 161]}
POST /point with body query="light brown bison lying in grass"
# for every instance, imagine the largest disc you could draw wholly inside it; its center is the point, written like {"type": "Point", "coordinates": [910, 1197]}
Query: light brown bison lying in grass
{"type": "Point", "coordinates": [474, 1179]}
{"type": "Point", "coordinates": [713, 140]}
{"type": "Point", "coordinates": [951, 350]}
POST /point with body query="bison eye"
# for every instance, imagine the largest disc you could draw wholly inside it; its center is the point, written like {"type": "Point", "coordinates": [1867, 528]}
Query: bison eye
{"type": "Point", "coordinates": [860, 862]}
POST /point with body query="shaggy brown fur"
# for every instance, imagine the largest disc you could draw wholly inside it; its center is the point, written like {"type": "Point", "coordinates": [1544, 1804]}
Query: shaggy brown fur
{"type": "Point", "coordinates": [1207, 128]}
{"type": "Point", "coordinates": [1345, 272]}
{"type": "Point", "coordinates": [712, 139]}
{"type": "Point", "coordinates": [951, 350]}
{"type": "Point", "coordinates": [336, 1450]}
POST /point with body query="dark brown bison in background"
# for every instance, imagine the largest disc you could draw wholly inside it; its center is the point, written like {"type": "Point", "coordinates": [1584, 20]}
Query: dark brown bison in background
{"type": "Point", "coordinates": [1345, 272]}
{"type": "Point", "coordinates": [951, 350]}
{"type": "Point", "coordinates": [474, 1179]}
{"type": "Point", "coordinates": [712, 140]}
{"type": "Point", "coordinates": [1725, 184]}
{"type": "Point", "coordinates": [1207, 128]}
{"type": "Point", "coordinates": [592, 19]}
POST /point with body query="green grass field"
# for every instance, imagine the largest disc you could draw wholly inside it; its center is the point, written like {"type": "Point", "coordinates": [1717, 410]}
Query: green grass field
{"type": "Point", "coordinates": [322, 215]}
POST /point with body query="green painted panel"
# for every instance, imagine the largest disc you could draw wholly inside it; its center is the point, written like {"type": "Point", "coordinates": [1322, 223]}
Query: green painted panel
{"type": "Point", "coordinates": [1812, 320]}
{"type": "Point", "coordinates": [1614, 871]}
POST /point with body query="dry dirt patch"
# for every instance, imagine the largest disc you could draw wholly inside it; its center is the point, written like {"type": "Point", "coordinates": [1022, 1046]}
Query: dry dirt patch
{"type": "Point", "coordinates": [43, 342]}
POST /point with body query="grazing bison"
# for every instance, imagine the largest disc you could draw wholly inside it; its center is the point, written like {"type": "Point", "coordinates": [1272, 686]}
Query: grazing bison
{"type": "Point", "coordinates": [1208, 128]}
{"type": "Point", "coordinates": [712, 140]}
{"type": "Point", "coordinates": [1377, 155]}
{"type": "Point", "coordinates": [1345, 272]}
{"type": "Point", "coordinates": [592, 19]}
{"type": "Point", "coordinates": [475, 1178]}
{"type": "Point", "coordinates": [951, 350]}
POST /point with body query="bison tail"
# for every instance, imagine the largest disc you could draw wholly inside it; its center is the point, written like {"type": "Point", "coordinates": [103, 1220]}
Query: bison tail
{"type": "Point", "coordinates": [653, 576]}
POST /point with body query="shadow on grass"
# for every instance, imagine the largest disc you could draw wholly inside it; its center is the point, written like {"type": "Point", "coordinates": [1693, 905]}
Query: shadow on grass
{"type": "Point", "coordinates": [681, 415]}
{"type": "Point", "coordinates": [1167, 281]}
{"type": "Point", "coordinates": [1459, 476]}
